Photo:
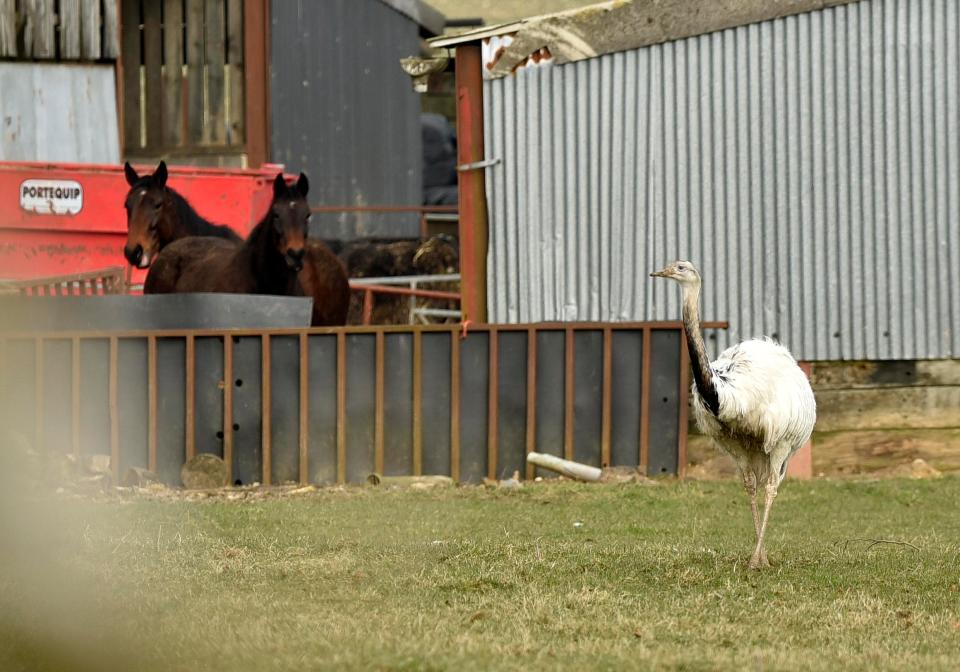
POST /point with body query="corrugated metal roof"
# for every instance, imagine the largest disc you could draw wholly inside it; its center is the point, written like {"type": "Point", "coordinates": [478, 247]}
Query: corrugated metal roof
{"type": "Point", "coordinates": [810, 166]}
{"type": "Point", "coordinates": [616, 25]}
{"type": "Point", "coordinates": [425, 15]}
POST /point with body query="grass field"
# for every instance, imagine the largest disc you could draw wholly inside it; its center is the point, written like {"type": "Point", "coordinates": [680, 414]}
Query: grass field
{"type": "Point", "coordinates": [478, 579]}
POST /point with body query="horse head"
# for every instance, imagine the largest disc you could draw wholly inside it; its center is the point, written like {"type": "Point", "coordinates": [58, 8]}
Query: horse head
{"type": "Point", "coordinates": [150, 207]}
{"type": "Point", "coordinates": [290, 215]}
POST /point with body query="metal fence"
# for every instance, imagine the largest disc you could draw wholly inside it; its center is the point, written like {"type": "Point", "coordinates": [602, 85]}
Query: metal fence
{"type": "Point", "coordinates": [92, 283]}
{"type": "Point", "coordinates": [334, 404]}
{"type": "Point", "coordinates": [807, 164]}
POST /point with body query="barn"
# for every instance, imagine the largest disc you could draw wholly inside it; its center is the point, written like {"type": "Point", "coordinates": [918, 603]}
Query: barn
{"type": "Point", "coordinates": [806, 155]}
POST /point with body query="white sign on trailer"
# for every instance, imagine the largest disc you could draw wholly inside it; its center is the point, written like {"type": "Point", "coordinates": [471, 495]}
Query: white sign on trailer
{"type": "Point", "coordinates": [51, 197]}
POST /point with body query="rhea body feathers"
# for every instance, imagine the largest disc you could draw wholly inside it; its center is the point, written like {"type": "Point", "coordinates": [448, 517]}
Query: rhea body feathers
{"type": "Point", "coordinates": [753, 401]}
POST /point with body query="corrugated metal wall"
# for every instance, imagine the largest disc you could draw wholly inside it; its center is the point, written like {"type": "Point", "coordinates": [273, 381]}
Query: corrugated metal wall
{"type": "Point", "coordinates": [344, 112]}
{"type": "Point", "coordinates": [809, 165]}
{"type": "Point", "coordinates": [55, 112]}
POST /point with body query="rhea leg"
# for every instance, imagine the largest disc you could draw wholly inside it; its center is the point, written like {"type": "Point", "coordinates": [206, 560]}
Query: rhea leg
{"type": "Point", "coordinates": [750, 485]}
{"type": "Point", "coordinates": [759, 558]}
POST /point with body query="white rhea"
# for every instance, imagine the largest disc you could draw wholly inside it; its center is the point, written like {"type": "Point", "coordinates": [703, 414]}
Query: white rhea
{"type": "Point", "coordinates": [753, 401]}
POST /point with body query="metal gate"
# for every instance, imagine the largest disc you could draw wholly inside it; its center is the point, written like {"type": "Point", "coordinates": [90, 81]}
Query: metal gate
{"type": "Point", "coordinates": [333, 404]}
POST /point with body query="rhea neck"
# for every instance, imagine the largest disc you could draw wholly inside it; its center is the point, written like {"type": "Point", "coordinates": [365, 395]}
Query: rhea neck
{"type": "Point", "coordinates": [702, 373]}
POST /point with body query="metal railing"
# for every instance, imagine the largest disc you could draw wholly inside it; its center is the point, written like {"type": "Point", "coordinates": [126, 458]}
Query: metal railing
{"type": "Point", "coordinates": [387, 285]}
{"type": "Point", "coordinates": [91, 283]}
{"type": "Point", "coordinates": [478, 379]}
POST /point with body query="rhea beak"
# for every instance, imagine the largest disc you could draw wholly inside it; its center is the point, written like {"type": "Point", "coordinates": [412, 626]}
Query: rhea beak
{"type": "Point", "coordinates": [662, 273]}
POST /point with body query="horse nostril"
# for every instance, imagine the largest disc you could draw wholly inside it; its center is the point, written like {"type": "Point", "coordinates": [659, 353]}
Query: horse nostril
{"type": "Point", "coordinates": [135, 255]}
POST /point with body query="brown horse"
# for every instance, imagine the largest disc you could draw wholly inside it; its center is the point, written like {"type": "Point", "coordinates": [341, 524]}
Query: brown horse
{"type": "Point", "coordinates": [157, 215]}
{"type": "Point", "coordinates": [276, 258]}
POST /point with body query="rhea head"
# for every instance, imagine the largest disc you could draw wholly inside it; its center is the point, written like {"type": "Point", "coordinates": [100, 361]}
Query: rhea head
{"type": "Point", "coordinates": [683, 272]}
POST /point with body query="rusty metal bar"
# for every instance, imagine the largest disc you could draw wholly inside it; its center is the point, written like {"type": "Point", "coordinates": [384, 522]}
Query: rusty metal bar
{"type": "Point", "coordinates": [644, 459]}
{"type": "Point", "coordinates": [405, 291]}
{"type": "Point", "coordinates": [455, 404]}
{"type": "Point", "coordinates": [385, 208]}
{"type": "Point", "coordinates": [228, 384]}
{"type": "Point", "coordinates": [75, 398]}
{"type": "Point", "coordinates": [265, 410]}
{"type": "Point", "coordinates": [531, 398]}
{"type": "Point", "coordinates": [38, 395]}
{"type": "Point", "coordinates": [152, 403]}
{"type": "Point", "coordinates": [417, 403]}
{"type": "Point", "coordinates": [341, 407]}
{"type": "Point", "coordinates": [492, 406]}
{"type": "Point", "coordinates": [684, 407]}
{"type": "Point", "coordinates": [363, 329]}
{"type": "Point", "coordinates": [304, 410]}
{"type": "Point", "coordinates": [367, 307]}
{"type": "Point", "coordinates": [605, 421]}
{"type": "Point", "coordinates": [114, 411]}
{"type": "Point", "coordinates": [568, 388]}
{"type": "Point", "coordinates": [191, 406]}
{"type": "Point", "coordinates": [378, 406]}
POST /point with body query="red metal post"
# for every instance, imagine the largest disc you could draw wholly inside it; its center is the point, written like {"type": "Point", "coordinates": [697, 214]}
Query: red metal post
{"type": "Point", "coordinates": [472, 190]}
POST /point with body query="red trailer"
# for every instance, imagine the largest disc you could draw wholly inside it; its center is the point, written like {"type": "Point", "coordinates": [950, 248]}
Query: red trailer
{"type": "Point", "coordinates": [58, 219]}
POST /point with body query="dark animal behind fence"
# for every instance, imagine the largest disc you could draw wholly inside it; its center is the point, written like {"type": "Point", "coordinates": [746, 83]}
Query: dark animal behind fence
{"type": "Point", "coordinates": [276, 258]}
{"type": "Point", "coordinates": [157, 216]}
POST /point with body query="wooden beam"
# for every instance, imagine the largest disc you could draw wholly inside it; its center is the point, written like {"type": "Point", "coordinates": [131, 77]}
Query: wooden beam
{"type": "Point", "coordinates": [256, 62]}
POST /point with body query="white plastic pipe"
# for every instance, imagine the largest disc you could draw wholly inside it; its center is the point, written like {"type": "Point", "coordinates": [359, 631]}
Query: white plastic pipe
{"type": "Point", "coordinates": [576, 470]}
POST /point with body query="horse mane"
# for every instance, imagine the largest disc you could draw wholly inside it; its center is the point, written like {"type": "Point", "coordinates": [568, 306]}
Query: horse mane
{"type": "Point", "coordinates": [195, 224]}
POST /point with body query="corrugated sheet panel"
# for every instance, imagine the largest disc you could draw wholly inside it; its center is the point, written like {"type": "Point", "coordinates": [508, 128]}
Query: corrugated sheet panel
{"type": "Point", "coordinates": [810, 166]}
{"type": "Point", "coordinates": [344, 112]}
{"type": "Point", "coordinates": [61, 113]}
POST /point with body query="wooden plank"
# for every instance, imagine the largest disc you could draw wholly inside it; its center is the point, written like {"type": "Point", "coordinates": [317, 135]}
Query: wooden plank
{"type": "Point", "coordinates": [152, 56]}
{"type": "Point", "coordinates": [114, 411]}
{"type": "Point", "coordinates": [888, 408]}
{"type": "Point", "coordinates": [111, 30]}
{"type": "Point", "coordinates": [493, 414]}
{"type": "Point", "coordinates": [194, 71]}
{"type": "Point", "coordinates": [8, 29]}
{"type": "Point", "coordinates": [266, 409]}
{"type": "Point", "coordinates": [606, 401]}
{"type": "Point", "coordinates": [75, 399]}
{"type": "Point", "coordinates": [531, 399]}
{"type": "Point", "coordinates": [190, 398]}
{"type": "Point", "coordinates": [455, 405]}
{"type": "Point", "coordinates": [256, 57]}
{"type": "Point", "coordinates": [906, 373]}
{"type": "Point", "coordinates": [90, 28]}
{"type": "Point", "coordinates": [341, 407]}
{"type": "Point", "coordinates": [304, 410]}
{"type": "Point", "coordinates": [235, 112]}
{"type": "Point", "coordinates": [568, 383]}
{"type": "Point", "coordinates": [214, 43]}
{"type": "Point", "coordinates": [865, 451]}
{"type": "Point", "coordinates": [152, 403]}
{"type": "Point", "coordinates": [417, 403]}
{"type": "Point", "coordinates": [174, 129]}
{"type": "Point", "coordinates": [378, 405]}
{"type": "Point", "coordinates": [69, 33]}
{"type": "Point", "coordinates": [130, 63]}
{"type": "Point", "coordinates": [228, 406]}
{"type": "Point", "coordinates": [38, 29]}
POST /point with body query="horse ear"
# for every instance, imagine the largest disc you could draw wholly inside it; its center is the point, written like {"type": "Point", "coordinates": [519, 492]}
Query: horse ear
{"type": "Point", "coordinates": [132, 177]}
{"type": "Point", "coordinates": [160, 176]}
{"type": "Point", "coordinates": [303, 185]}
{"type": "Point", "coordinates": [279, 186]}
